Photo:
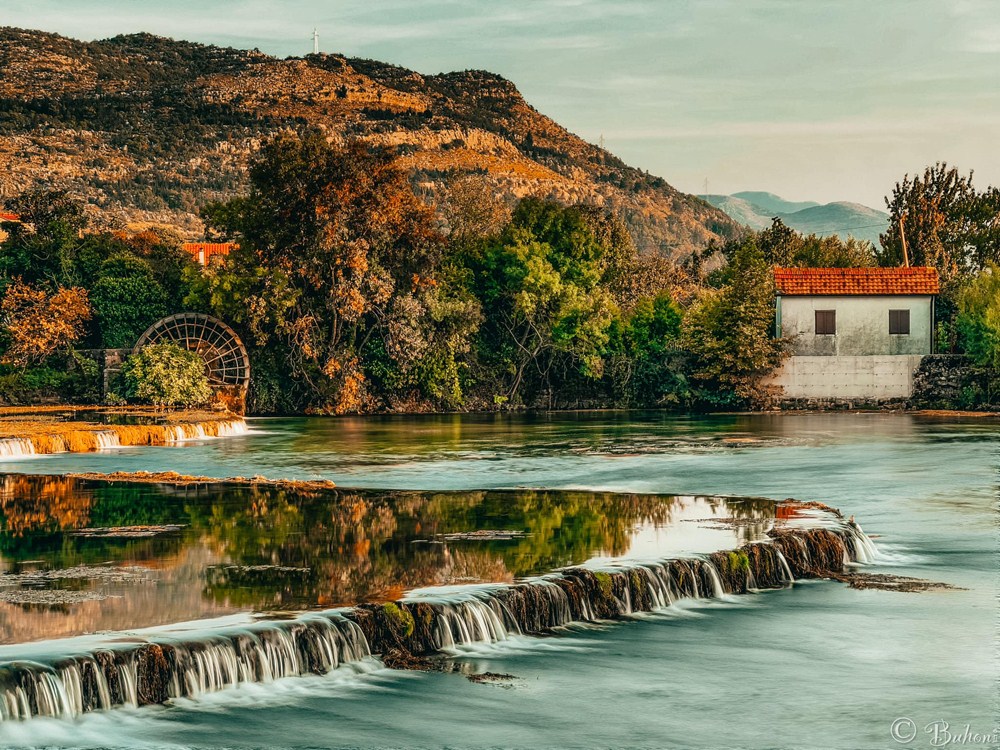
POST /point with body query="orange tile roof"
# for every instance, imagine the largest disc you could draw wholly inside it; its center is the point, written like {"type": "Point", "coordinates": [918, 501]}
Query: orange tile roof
{"type": "Point", "coordinates": [210, 250]}
{"type": "Point", "coordinates": [856, 281]}
{"type": "Point", "coordinates": [7, 216]}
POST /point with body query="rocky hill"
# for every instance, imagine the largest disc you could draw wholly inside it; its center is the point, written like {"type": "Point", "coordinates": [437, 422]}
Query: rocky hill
{"type": "Point", "coordinates": [757, 209]}
{"type": "Point", "coordinates": [146, 129]}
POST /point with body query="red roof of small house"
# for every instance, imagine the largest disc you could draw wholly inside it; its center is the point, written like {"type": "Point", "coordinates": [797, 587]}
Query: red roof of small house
{"type": "Point", "coordinates": [856, 281]}
{"type": "Point", "coordinates": [7, 216]}
{"type": "Point", "coordinates": [210, 250]}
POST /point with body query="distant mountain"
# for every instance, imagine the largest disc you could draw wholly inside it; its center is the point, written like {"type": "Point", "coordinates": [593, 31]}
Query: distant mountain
{"type": "Point", "coordinates": [147, 129]}
{"type": "Point", "coordinates": [773, 204]}
{"type": "Point", "coordinates": [740, 210]}
{"type": "Point", "coordinates": [757, 209]}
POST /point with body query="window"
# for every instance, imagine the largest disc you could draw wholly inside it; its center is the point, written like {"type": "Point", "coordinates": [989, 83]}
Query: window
{"type": "Point", "coordinates": [826, 322]}
{"type": "Point", "coordinates": [899, 322]}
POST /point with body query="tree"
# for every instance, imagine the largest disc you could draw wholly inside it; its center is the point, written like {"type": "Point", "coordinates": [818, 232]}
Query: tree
{"type": "Point", "coordinates": [541, 285]}
{"type": "Point", "coordinates": [947, 224]}
{"type": "Point", "coordinates": [163, 250]}
{"type": "Point", "coordinates": [781, 245]}
{"type": "Point", "coordinates": [978, 319]}
{"type": "Point", "coordinates": [166, 375]}
{"type": "Point", "coordinates": [729, 332]}
{"type": "Point", "coordinates": [127, 299]}
{"type": "Point", "coordinates": [647, 365]}
{"type": "Point", "coordinates": [472, 210]}
{"type": "Point", "coordinates": [42, 248]}
{"type": "Point", "coordinates": [341, 229]}
{"type": "Point", "coordinates": [39, 323]}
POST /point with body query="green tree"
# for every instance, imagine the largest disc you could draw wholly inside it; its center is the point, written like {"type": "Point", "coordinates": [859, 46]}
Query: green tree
{"type": "Point", "coordinates": [730, 332]}
{"type": "Point", "coordinates": [166, 375]}
{"type": "Point", "coordinates": [947, 224]}
{"type": "Point", "coordinates": [781, 245]}
{"type": "Point", "coordinates": [42, 249]}
{"type": "Point", "coordinates": [647, 365]}
{"type": "Point", "coordinates": [547, 310]}
{"type": "Point", "coordinates": [127, 299]}
{"type": "Point", "coordinates": [978, 320]}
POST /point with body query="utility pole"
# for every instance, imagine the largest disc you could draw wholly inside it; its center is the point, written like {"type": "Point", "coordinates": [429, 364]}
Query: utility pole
{"type": "Point", "coordinates": [600, 142]}
{"type": "Point", "coordinates": [706, 187]}
{"type": "Point", "coordinates": [315, 41]}
{"type": "Point", "coordinates": [902, 237]}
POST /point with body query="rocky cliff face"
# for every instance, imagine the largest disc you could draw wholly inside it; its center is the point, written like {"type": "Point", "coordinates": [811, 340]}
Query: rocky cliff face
{"type": "Point", "coordinates": [146, 129]}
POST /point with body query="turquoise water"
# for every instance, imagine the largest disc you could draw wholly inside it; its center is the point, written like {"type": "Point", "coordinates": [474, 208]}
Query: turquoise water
{"type": "Point", "coordinates": [818, 665]}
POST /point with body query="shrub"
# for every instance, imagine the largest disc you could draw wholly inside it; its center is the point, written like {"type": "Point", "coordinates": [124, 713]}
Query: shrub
{"type": "Point", "coordinates": [166, 375]}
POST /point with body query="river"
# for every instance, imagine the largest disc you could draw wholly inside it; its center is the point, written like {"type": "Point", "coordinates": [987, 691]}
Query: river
{"type": "Point", "coordinates": [818, 664]}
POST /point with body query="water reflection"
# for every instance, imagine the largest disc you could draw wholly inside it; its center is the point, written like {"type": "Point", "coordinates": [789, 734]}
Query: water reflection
{"type": "Point", "coordinates": [202, 550]}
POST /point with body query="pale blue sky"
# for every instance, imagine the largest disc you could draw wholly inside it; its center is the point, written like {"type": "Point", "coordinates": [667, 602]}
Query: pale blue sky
{"type": "Point", "coordinates": [811, 99]}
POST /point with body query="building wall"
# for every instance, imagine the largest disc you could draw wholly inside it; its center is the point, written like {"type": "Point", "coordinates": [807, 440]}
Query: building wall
{"type": "Point", "coordinates": [867, 378]}
{"type": "Point", "coordinates": [862, 325]}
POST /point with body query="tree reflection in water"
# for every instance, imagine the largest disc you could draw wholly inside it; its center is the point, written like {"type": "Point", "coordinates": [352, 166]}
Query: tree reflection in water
{"type": "Point", "coordinates": [245, 546]}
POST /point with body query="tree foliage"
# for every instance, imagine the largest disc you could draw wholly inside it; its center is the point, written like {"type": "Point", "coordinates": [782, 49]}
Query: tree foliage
{"type": "Point", "coordinates": [978, 319]}
{"type": "Point", "coordinates": [541, 282]}
{"type": "Point", "coordinates": [39, 324]}
{"type": "Point", "coordinates": [730, 332]}
{"type": "Point", "coordinates": [339, 232]}
{"type": "Point", "coordinates": [166, 375]}
{"type": "Point", "coordinates": [647, 364]}
{"type": "Point", "coordinates": [780, 245]}
{"type": "Point", "coordinates": [946, 222]}
{"type": "Point", "coordinates": [43, 248]}
{"type": "Point", "coordinates": [127, 299]}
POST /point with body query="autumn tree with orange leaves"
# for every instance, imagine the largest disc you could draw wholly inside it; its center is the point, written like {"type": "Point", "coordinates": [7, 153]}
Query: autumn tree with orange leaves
{"type": "Point", "coordinates": [39, 323]}
{"type": "Point", "coordinates": [337, 257]}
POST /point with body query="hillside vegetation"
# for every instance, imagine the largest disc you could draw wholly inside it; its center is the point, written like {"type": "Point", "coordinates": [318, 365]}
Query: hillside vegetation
{"type": "Point", "coordinates": [147, 129]}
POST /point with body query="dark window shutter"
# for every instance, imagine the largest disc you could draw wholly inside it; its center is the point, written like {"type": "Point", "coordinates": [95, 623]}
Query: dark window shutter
{"type": "Point", "coordinates": [899, 322]}
{"type": "Point", "coordinates": [826, 322]}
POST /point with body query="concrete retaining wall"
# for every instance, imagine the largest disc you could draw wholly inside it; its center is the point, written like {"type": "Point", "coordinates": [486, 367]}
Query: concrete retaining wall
{"type": "Point", "coordinates": [871, 378]}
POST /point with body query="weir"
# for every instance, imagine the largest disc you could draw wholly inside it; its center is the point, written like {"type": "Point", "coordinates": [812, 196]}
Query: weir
{"type": "Point", "coordinates": [161, 667]}
{"type": "Point", "coordinates": [73, 438]}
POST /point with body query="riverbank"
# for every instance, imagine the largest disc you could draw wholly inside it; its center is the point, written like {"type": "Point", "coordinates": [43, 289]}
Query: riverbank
{"type": "Point", "coordinates": [25, 431]}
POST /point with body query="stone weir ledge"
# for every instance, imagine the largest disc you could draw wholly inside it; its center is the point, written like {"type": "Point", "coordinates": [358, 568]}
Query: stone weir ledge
{"type": "Point", "coordinates": [31, 432]}
{"type": "Point", "coordinates": [146, 669]}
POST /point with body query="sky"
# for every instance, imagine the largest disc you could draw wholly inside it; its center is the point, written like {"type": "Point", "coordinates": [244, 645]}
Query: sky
{"type": "Point", "coordinates": [820, 100]}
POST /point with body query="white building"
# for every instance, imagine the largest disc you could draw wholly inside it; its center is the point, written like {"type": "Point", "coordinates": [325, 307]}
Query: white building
{"type": "Point", "coordinates": [855, 333]}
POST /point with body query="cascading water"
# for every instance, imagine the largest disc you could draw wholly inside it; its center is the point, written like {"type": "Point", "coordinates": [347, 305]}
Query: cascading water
{"type": "Point", "coordinates": [107, 439]}
{"type": "Point", "coordinates": [16, 448]}
{"type": "Point", "coordinates": [155, 672]}
{"type": "Point", "coordinates": [200, 431]}
{"type": "Point", "coordinates": [169, 666]}
{"type": "Point", "coordinates": [75, 440]}
{"type": "Point", "coordinates": [232, 428]}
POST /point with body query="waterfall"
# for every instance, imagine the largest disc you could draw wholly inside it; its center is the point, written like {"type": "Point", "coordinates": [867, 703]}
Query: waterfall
{"type": "Point", "coordinates": [173, 433]}
{"type": "Point", "coordinates": [16, 448]}
{"type": "Point", "coordinates": [155, 672]}
{"type": "Point", "coordinates": [177, 433]}
{"type": "Point", "coordinates": [232, 428]}
{"type": "Point", "coordinates": [787, 571]}
{"type": "Point", "coordinates": [106, 439]}
{"type": "Point", "coordinates": [170, 666]}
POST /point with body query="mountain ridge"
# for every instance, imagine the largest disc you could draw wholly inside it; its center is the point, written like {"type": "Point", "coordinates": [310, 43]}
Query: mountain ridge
{"type": "Point", "coordinates": [843, 218]}
{"type": "Point", "coordinates": [146, 128]}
